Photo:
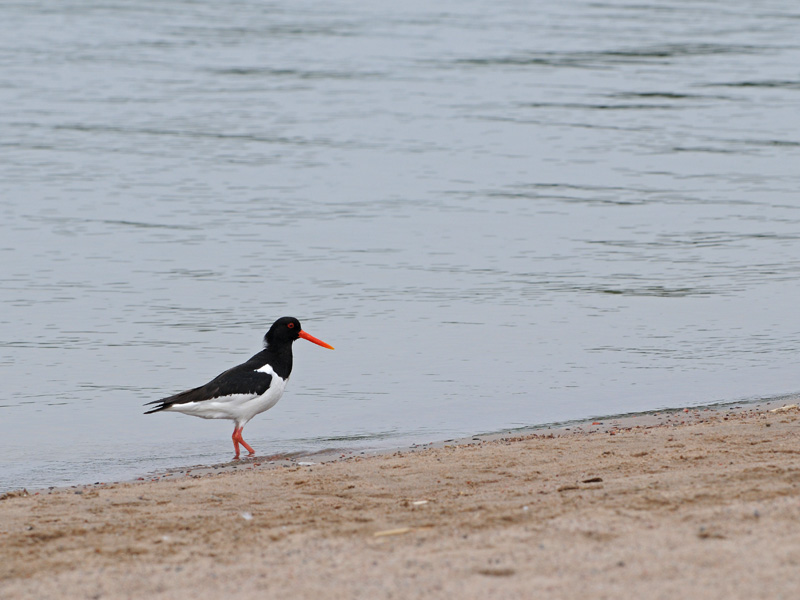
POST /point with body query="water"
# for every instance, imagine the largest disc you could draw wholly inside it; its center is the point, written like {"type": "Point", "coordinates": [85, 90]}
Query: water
{"type": "Point", "coordinates": [501, 214]}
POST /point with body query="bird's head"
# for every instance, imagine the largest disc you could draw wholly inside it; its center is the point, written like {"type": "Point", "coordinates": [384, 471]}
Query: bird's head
{"type": "Point", "coordinates": [286, 330]}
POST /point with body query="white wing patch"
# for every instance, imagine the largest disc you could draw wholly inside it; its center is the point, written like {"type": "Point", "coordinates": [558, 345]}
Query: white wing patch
{"type": "Point", "coordinates": [267, 368]}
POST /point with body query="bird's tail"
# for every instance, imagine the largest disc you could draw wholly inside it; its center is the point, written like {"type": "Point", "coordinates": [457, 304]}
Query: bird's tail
{"type": "Point", "coordinates": [162, 405]}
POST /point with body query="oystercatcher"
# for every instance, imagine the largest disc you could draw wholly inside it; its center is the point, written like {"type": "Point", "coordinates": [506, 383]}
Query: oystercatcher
{"type": "Point", "coordinates": [250, 388]}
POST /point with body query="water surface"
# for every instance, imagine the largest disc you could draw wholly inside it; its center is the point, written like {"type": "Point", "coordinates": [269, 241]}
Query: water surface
{"type": "Point", "coordinates": [501, 214]}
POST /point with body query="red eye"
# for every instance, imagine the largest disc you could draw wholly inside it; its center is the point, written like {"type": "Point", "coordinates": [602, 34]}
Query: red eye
{"type": "Point", "coordinates": [290, 325]}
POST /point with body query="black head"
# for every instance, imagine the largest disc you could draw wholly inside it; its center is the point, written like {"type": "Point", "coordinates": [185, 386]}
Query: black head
{"type": "Point", "coordinates": [286, 330]}
{"type": "Point", "coordinates": [283, 331]}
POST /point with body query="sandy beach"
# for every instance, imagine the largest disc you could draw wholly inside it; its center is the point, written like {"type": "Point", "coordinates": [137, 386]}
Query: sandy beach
{"type": "Point", "coordinates": [687, 504]}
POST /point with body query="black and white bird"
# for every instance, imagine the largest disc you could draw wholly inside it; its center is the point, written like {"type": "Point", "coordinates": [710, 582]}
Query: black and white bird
{"type": "Point", "coordinates": [248, 389]}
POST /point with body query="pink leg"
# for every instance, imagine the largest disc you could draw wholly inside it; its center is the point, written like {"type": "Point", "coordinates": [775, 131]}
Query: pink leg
{"type": "Point", "coordinates": [237, 439]}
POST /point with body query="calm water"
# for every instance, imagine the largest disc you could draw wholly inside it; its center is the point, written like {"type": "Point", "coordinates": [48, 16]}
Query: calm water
{"type": "Point", "coordinates": [500, 213]}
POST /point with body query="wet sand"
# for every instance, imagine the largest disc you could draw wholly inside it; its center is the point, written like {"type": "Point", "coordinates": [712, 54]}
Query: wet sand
{"type": "Point", "coordinates": [697, 504]}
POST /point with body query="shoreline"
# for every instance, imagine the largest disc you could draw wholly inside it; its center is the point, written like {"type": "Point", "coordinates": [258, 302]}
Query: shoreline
{"type": "Point", "coordinates": [665, 416]}
{"type": "Point", "coordinates": [695, 502]}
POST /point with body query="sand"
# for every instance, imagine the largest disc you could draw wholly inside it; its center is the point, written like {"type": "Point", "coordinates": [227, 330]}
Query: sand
{"type": "Point", "coordinates": [704, 504]}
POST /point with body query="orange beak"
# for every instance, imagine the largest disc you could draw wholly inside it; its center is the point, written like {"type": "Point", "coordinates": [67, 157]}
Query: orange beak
{"type": "Point", "coordinates": [311, 338]}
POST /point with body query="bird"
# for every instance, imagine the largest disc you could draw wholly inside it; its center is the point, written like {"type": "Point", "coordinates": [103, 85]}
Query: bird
{"type": "Point", "coordinates": [242, 392]}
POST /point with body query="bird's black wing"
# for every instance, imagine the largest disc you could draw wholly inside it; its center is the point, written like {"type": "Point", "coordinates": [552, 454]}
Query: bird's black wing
{"type": "Point", "coordinates": [238, 380]}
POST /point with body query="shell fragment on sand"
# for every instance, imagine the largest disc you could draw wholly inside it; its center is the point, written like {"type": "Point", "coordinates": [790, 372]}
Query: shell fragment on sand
{"type": "Point", "coordinates": [785, 408]}
{"type": "Point", "coordinates": [398, 531]}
